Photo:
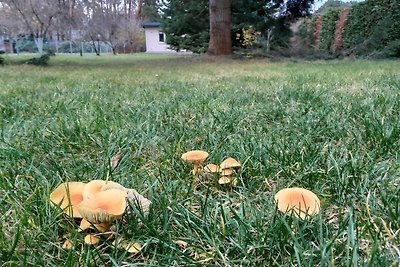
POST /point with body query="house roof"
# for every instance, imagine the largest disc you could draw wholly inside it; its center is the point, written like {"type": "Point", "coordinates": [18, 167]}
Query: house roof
{"type": "Point", "coordinates": [151, 24]}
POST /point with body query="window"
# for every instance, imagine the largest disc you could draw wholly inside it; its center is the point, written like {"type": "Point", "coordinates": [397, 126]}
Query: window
{"type": "Point", "coordinates": [161, 37]}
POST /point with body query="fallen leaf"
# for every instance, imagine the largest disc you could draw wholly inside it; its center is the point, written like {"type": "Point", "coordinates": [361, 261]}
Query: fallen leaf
{"type": "Point", "coordinates": [181, 243]}
{"type": "Point", "coordinates": [131, 247]}
{"type": "Point", "coordinates": [114, 162]}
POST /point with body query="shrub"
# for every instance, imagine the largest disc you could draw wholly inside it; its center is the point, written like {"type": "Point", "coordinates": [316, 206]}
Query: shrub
{"type": "Point", "coordinates": [373, 26]}
{"type": "Point", "coordinates": [43, 60]}
{"type": "Point", "coordinates": [303, 29]}
{"type": "Point", "coordinates": [2, 60]}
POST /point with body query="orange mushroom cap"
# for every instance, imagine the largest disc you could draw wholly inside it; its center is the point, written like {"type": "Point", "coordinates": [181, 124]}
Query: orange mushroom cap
{"type": "Point", "coordinates": [104, 206]}
{"type": "Point", "coordinates": [230, 163]}
{"type": "Point", "coordinates": [301, 201]}
{"type": "Point", "coordinates": [93, 187]}
{"type": "Point", "coordinates": [196, 156]}
{"type": "Point", "coordinates": [91, 239]}
{"type": "Point", "coordinates": [226, 172]}
{"type": "Point", "coordinates": [68, 196]}
{"type": "Point", "coordinates": [224, 180]}
{"type": "Point", "coordinates": [211, 168]}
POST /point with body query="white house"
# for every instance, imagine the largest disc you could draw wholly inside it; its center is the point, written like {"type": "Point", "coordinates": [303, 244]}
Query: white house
{"type": "Point", "coordinates": [155, 38]}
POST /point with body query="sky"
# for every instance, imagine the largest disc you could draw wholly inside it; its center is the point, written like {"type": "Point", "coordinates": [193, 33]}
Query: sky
{"type": "Point", "coordinates": [319, 3]}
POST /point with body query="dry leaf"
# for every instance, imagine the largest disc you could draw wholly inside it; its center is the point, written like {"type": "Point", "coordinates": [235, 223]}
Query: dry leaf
{"type": "Point", "coordinates": [181, 243]}
{"type": "Point", "coordinates": [128, 246]}
{"type": "Point", "coordinates": [115, 160]}
{"type": "Point", "coordinates": [132, 247]}
{"type": "Point", "coordinates": [84, 225]}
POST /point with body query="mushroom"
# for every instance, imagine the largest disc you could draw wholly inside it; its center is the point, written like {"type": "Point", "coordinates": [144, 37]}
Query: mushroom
{"type": "Point", "coordinates": [211, 168]}
{"type": "Point", "coordinates": [93, 187]}
{"type": "Point", "coordinates": [67, 244]}
{"type": "Point", "coordinates": [230, 163]}
{"type": "Point", "coordinates": [226, 169]}
{"type": "Point", "coordinates": [68, 196]}
{"type": "Point", "coordinates": [226, 172]}
{"type": "Point", "coordinates": [134, 198]}
{"type": "Point", "coordinates": [104, 206]}
{"type": "Point", "coordinates": [195, 156]}
{"type": "Point", "coordinates": [85, 224]}
{"type": "Point", "coordinates": [301, 201]}
{"type": "Point", "coordinates": [91, 239]}
{"type": "Point", "coordinates": [224, 180]}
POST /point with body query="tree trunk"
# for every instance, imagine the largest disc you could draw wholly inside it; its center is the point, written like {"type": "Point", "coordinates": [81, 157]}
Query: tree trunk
{"type": "Point", "coordinates": [220, 28]}
{"type": "Point", "coordinates": [39, 44]}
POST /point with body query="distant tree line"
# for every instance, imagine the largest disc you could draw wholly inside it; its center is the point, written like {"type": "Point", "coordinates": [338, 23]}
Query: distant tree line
{"type": "Point", "coordinates": [370, 28]}
{"type": "Point", "coordinates": [112, 22]}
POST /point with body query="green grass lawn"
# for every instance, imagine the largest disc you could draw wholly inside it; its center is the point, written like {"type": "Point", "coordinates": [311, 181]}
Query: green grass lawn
{"type": "Point", "coordinates": [331, 127]}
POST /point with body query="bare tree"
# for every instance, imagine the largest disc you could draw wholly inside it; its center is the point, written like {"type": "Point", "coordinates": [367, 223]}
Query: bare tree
{"type": "Point", "coordinates": [34, 16]}
{"type": "Point", "coordinates": [114, 22]}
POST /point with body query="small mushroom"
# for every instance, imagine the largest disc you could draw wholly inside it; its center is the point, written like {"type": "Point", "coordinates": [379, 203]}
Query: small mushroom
{"type": "Point", "coordinates": [67, 244]}
{"type": "Point", "coordinates": [68, 196]}
{"type": "Point", "coordinates": [211, 168]}
{"type": "Point", "coordinates": [223, 180]}
{"type": "Point", "coordinates": [104, 206]}
{"type": "Point", "coordinates": [226, 172]}
{"type": "Point", "coordinates": [85, 224]}
{"type": "Point", "coordinates": [230, 163]}
{"type": "Point", "coordinates": [300, 201]}
{"type": "Point", "coordinates": [91, 239]}
{"type": "Point", "coordinates": [196, 157]}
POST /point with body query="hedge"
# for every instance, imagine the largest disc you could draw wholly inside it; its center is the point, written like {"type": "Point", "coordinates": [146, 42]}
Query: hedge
{"type": "Point", "coordinates": [328, 29]}
{"type": "Point", "coordinates": [372, 28]}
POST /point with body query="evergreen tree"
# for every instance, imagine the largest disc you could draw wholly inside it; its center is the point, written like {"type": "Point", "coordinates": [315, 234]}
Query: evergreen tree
{"type": "Point", "coordinates": [187, 25]}
{"type": "Point", "coordinates": [150, 10]}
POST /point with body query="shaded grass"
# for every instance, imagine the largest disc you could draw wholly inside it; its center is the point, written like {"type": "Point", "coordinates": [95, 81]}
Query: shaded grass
{"type": "Point", "coordinates": [332, 127]}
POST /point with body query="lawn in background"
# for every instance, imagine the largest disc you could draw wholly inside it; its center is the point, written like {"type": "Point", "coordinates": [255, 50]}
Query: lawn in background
{"type": "Point", "coordinates": [332, 127]}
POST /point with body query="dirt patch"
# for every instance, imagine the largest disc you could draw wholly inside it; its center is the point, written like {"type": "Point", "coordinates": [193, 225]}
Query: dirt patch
{"type": "Point", "coordinates": [337, 43]}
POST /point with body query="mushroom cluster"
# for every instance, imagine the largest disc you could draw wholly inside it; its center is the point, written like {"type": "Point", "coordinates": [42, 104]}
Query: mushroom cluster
{"type": "Point", "coordinates": [98, 203]}
{"type": "Point", "coordinates": [222, 172]}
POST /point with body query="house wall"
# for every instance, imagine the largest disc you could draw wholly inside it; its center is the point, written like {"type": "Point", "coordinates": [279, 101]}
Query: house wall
{"type": "Point", "coordinates": [152, 41]}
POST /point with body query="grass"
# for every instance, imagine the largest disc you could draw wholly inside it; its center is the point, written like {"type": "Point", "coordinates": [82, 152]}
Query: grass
{"type": "Point", "coordinates": [331, 127]}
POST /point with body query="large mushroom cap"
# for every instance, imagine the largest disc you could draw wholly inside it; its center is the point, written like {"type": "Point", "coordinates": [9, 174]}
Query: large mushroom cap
{"type": "Point", "coordinates": [230, 163]}
{"type": "Point", "coordinates": [134, 198]}
{"type": "Point", "coordinates": [68, 196]}
{"type": "Point", "coordinates": [301, 201]}
{"type": "Point", "coordinates": [104, 206]}
{"type": "Point", "coordinates": [197, 156]}
{"type": "Point", "coordinates": [93, 187]}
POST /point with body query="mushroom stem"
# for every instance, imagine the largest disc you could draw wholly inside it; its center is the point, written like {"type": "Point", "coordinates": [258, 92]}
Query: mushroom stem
{"type": "Point", "coordinates": [195, 168]}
